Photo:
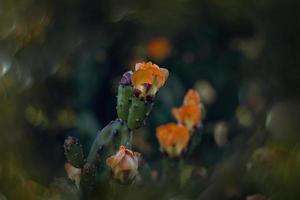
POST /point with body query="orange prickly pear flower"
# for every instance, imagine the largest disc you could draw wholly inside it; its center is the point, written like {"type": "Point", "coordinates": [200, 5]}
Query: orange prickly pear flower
{"type": "Point", "coordinates": [192, 97]}
{"type": "Point", "coordinates": [188, 115]}
{"type": "Point", "coordinates": [124, 164]}
{"type": "Point", "coordinates": [173, 138]}
{"type": "Point", "coordinates": [148, 78]}
{"type": "Point", "coordinates": [158, 48]}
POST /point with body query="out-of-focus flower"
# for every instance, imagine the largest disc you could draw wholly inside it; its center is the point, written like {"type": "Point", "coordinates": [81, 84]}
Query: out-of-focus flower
{"type": "Point", "coordinates": [206, 91]}
{"type": "Point", "coordinates": [221, 133]}
{"type": "Point", "coordinates": [158, 48]}
{"type": "Point", "coordinates": [188, 115]}
{"type": "Point", "coordinates": [73, 173]}
{"type": "Point", "coordinates": [173, 138]}
{"type": "Point", "coordinates": [192, 97]}
{"type": "Point", "coordinates": [124, 164]}
{"type": "Point", "coordinates": [148, 78]}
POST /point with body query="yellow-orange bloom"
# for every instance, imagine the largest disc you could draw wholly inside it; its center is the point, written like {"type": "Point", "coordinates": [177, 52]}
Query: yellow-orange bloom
{"type": "Point", "coordinates": [192, 97]}
{"type": "Point", "coordinates": [173, 138]}
{"type": "Point", "coordinates": [148, 78]}
{"type": "Point", "coordinates": [158, 48]}
{"type": "Point", "coordinates": [188, 115]}
{"type": "Point", "coordinates": [124, 164]}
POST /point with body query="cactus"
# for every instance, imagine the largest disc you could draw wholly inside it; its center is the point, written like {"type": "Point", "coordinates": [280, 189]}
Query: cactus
{"type": "Point", "coordinates": [138, 112]}
{"type": "Point", "coordinates": [73, 152]}
{"type": "Point", "coordinates": [88, 180]}
{"type": "Point", "coordinates": [124, 101]}
{"type": "Point", "coordinates": [109, 140]}
{"type": "Point", "coordinates": [132, 110]}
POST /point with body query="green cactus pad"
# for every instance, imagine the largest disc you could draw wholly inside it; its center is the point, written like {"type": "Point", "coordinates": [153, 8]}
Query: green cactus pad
{"type": "Point", "coordinates": [73, 152]}
{"type": "Point", "coordinates": [108, 141]}
{"type": "Point", "coordinates": [124, 101]}
{"type": "Point", "coordinates": [138, 112]}
{"type": "Point", "coordinates": [88, 180]}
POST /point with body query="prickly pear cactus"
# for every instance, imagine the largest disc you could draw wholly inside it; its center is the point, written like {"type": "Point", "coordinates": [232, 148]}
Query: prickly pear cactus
{"type": "Point", "coordinates": [108, 140]}
{"type": "Point", "coordinates": [132, 110]}
{"type": "Point", "coordinates": [73, 152]}
{"type": "Point", "coordinates": [138, 112]}
{"type": "Point", "coordinates": [124, 99]}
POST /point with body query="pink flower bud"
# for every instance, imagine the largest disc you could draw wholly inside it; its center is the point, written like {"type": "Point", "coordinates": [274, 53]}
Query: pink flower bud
{"type": "Point", "coordinates": [124, 164]}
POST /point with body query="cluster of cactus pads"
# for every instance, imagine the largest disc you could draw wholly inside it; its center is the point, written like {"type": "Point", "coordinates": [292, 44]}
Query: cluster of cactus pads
{"type": "Point", "coordinates": [135, 98]}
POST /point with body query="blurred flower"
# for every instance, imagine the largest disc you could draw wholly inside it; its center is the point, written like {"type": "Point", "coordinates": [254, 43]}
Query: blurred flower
{"type": "Point", "coordinates": [188, 115]}
{"type": "Point", "coordinates": [148, 78]}
{"type": "Point", "coordinates": [158, 48]}
{"type": "Point", "coordinates": [221, 133]}
{"type": "Point", "coordinates": [124, 164]}
{"type": "Point", "coordinates": [206, 91]}
{"type": "Point", "coordinates": [73, 173]}
{"type": "Point", "coordinates": [173, 138]}
{"type": "Point", "coordinates": [192, 97]}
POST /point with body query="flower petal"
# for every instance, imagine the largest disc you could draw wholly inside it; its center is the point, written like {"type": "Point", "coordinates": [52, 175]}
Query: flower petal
{"type": "Point", "coordinates": [192, 97]}
{"type": "Point", "coordinates": [141, 77]}
{"type": "Point", "coordinates": [172, 136]}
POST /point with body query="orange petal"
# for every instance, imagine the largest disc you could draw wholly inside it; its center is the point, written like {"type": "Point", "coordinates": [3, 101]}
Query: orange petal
{"type": "Point", "coordinates": [192, 97]}
{"type": "Point", "coordinates": [161, 77]}
{"type": "Point", "coordinates": [172, 135]}
{"type": "Point", "coordinates": [141, 77]}
{"type": "Point", "coordinates": [188, 115]}
{"type": "Point", "coordinates": [72, 171]}
{"type": "Point", "coordinates": [113, 161]}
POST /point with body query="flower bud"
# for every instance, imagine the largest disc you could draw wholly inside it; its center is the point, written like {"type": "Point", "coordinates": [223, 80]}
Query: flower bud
{"type": "Point", "coordinates": [126, 78]}
{"type": "Point", "coordinates": [124, 165]}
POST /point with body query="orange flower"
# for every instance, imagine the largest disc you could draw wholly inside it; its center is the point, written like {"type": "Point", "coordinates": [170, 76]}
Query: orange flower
{"type": "Point", "coordinates": [73, 173]}
{"type": "Point", "coordinates": [188, 115]}
{"type": "Point", "coordinates": [173, 138]}
{"type": "Point", "coordinates": [158, 48]}
{"type": "Point", "coordinates": [192, 97]}
{"type": "Point", "coordinates": [124, 164]}
{"type": "Point", "coordinates": [148, 78]}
